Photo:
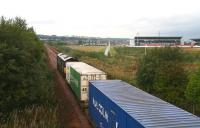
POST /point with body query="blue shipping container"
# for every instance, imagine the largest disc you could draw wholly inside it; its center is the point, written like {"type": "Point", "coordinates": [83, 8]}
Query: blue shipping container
{"type": "Point", "coordinates": [116, 104]}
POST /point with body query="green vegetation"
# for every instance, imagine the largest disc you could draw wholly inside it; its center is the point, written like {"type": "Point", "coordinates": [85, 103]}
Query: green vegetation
{"type": "Point", "coordinates": [192, 91]}
{"type": "Point", "coordinates": [163, 72]}
{"type": "Point", "coordinates": [25, 78]}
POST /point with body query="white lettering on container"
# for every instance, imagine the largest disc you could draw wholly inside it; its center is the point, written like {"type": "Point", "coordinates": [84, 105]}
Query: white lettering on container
{"type": "Point", "coordinates": [116, 125]}
{"type": "Point", "coordinates": [100, 109]}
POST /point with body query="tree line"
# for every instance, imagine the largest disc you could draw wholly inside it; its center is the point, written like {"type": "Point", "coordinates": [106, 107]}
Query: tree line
{"type": "Point", "coordinates": [24, 76]}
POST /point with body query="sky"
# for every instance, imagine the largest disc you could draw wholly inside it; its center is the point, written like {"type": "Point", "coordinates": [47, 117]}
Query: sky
{"type": "Point", "coordinates": [108, 18]}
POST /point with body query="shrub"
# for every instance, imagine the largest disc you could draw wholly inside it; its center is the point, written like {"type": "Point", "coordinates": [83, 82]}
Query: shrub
{"type": "Point", "coordinates": [161, 73]}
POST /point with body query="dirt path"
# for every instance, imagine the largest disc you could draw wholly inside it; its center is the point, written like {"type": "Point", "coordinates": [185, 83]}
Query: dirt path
{"type": "Point", "coordinates": [71, 115]}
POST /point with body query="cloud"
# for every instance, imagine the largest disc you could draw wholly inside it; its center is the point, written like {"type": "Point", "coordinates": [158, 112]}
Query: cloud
{"type": "Point", "coordinates": [177, 25]}
{"type": "Point", "coordinates": [108, 18]}
{"type": "Point", "coordinates": [42, 22]}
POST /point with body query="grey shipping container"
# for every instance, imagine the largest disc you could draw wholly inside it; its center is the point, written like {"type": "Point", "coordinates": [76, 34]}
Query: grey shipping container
{"type": "Point", "coordinates": [116, 104]}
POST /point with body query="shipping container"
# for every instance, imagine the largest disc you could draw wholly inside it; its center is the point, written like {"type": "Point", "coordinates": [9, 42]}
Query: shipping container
{"type": "Point", "coordinates": [68, 64]}
{"type": "Point", "coordinates": [116, 104]}
{"type": "Point", "coordinates": [61, 62]}
{"type": "Point", "coordinates": [80, 74]}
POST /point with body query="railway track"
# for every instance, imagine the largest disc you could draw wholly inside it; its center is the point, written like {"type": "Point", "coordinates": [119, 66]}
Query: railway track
{"type": "Point", "coordinates": [71, 115]}
{"type": "Point", "coordinates": [53, 49]}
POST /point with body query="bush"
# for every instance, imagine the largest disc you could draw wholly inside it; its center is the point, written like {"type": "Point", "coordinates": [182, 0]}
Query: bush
{"type": "Point", "coordinates": [192, 91]}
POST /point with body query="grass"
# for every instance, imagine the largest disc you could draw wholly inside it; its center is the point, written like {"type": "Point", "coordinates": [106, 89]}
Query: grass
{"type": "Point", "coordinates": [191, 58]}
{"type": "Point", "coordinates": [88, 48]}
{"type": "Point", "coordinates": [191, 50]}
{"type": "Point", "coordinates": [32, 117]}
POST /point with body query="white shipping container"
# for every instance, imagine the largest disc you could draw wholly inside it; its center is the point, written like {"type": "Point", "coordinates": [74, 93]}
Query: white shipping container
{"type": "Point", "coordinates": [86, 73]}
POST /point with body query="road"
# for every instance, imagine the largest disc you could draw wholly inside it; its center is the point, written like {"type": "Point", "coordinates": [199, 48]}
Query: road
{"type": "Point", "coordinates": [71, 115]}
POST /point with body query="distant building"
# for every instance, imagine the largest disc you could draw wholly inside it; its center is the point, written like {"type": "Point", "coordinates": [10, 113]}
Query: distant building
{"type": "Point", "coordinates": [157, 41]}
{"type": "Point", "coordinates": [196, 41]}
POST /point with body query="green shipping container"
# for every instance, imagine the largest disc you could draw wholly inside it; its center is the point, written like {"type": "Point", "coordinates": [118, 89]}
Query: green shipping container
{"type": "Point", "coordinates": [75, 82]}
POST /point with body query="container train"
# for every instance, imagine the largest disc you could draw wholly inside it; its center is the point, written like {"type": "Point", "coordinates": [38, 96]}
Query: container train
{"type": "Point", "coordinates": [116, 104]}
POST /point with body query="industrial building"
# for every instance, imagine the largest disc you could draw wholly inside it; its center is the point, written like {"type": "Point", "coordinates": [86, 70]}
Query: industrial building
{"type": "Point", "coordinates": [156, 41]}
{"type": "Point", "coordinates": [196, 41]}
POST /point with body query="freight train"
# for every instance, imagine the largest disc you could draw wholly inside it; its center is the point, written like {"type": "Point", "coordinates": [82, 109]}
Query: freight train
{"type": "Point", "coordinates": [116, 104]}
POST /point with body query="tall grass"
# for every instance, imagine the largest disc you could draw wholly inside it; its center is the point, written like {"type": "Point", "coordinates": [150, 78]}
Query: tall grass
{"type": "Point", "coordinates": [32, 117]}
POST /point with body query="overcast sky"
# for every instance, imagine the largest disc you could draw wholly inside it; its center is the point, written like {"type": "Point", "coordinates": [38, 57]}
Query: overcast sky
{"type": "Point", "coordinates": [108, 18]}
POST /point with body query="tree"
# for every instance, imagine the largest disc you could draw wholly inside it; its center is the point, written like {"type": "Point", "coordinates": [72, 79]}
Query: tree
{"type": "Point", "coordinates": [146, 72]}
{"type": "Point", "coordinates": [161, 72]}
{"type": "Point", "coordinates": [192, 91]}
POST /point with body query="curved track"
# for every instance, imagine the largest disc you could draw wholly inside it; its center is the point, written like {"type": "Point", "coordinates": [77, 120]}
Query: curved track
{"type": "Point", "coordinates": [71, 115]}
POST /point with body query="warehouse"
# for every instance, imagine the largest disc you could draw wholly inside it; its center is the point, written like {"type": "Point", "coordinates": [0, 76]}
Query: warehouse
{"type": "Point", "coordinates": [116, 104]}
{"type": "Point", "coordinates": [157, 41]}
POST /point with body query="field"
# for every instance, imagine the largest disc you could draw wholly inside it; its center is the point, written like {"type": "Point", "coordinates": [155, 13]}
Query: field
{"type": "Point", "coordinates": [88, 48]}
{"type": "Point", "coordinates": [192, 50]}
{"type": "Point", "coordinates": [122, 62]}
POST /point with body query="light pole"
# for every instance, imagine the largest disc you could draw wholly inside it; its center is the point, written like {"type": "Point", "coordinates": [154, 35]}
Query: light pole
{"type": "Point", "coordinates": [145, 49]}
